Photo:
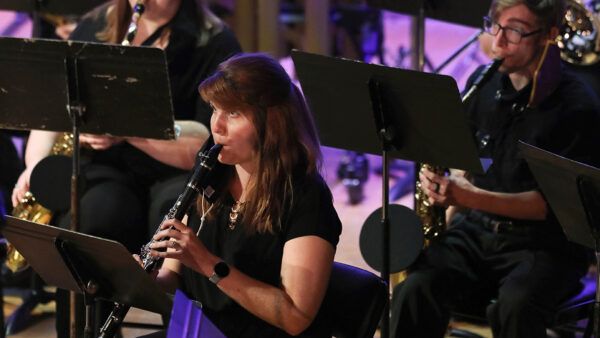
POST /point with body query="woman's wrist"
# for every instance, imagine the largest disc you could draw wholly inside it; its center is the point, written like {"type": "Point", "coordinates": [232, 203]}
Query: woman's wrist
{"type": "Point", "coordinates": [208, 266]}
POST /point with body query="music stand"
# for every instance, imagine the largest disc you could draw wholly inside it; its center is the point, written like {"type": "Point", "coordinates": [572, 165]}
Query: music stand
{"type": "Point", "coordinates": [76, 7]}
{"type": "Point", "coordinates": [89, 87]}
{"type": "Point", "coordinates": [463, 12]}
{"type": "Point", "coordinates": [93, 266]}
{"type": "Point", "coordinates": [84, 87]}
{"type": "Point", "coordinates": [62, 7]}
{"type": "Point", "coordinates": [572, 190]}
{"type": "Point", "coordinates": [382, 110]}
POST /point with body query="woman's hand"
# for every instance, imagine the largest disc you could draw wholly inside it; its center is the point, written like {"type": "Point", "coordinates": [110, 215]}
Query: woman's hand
{"type": "Point", "coordinates": [22, 186]}
{"type": "Point", "coordinates": [100, 142]}
{"type": "Point", "coordinates": [181, 243]}
{"type": "Point", "coordinates": [65, 29]}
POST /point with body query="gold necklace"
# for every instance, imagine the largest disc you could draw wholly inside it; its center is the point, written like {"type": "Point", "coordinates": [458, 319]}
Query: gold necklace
{"type": "Point", "coordinates": [138, 9]}
{"type": "Point", "coordinates": [234, 214]}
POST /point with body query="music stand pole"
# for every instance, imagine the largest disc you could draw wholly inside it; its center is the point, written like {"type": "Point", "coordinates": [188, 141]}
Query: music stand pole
{"type": "Point", "coordinates": [458, 51]}
{"type": "Point", "coordinates": [590, 199]}
{"type": "Point", "coordinates": [418, 38]}
{"type": "Point", "coordinates": [386, 135]}
{"type": "Point", "coordinates": [88, 286]}
{"type": "Point", "coordinates": [75, 110]}
{"type": "Point", "coordinates": [36, 21]}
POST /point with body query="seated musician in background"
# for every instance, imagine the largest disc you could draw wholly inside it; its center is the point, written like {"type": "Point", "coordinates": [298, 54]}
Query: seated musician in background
{"type": "Point", "coordinates": [123, 172]}
{"type": "Point", "coordinates": [132, 182]}
{"type": "Point", "coordinates": [270, 236]}
{"type": "Point", "coordinates": [504, 241]}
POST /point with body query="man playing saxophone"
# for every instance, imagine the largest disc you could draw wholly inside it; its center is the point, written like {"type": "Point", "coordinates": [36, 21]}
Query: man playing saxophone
{"type": "Point", "coordinates": [504, 241]}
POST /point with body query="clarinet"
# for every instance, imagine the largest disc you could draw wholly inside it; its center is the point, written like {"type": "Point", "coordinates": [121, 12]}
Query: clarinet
{"type": "Point", "coordinates": [483, 77]}
{"type": "Point", "coordinates": [199, 175]}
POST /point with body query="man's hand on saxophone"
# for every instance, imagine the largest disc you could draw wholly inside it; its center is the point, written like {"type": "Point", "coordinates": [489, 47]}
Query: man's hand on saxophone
{"type": "Point", "coordinates": [452, 190]}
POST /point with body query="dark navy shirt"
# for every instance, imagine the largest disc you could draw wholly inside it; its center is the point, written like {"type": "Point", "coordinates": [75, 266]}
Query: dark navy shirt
{"type": "Point", "coordinates": [565, 123]}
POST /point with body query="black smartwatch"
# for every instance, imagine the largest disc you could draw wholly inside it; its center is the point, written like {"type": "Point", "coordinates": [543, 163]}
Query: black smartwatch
{"type": "Point", "coordinates": [221, 270]}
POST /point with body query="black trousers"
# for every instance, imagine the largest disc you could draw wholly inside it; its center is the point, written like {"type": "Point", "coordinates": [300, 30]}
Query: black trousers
{"type": "Point", "coordinates": [528, 275]}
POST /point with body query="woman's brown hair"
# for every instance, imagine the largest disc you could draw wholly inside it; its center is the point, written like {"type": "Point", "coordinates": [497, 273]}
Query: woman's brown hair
{"type": "Point", "coordinates": [287, 143]}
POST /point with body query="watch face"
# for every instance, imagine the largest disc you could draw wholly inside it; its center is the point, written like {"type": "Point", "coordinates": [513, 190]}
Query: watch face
{"type": "Point", "coordinates": [222, 269]}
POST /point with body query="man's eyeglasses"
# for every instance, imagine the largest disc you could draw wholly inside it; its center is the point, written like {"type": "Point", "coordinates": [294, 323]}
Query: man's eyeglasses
{"type": "Point", "coordinates": [512, 35]}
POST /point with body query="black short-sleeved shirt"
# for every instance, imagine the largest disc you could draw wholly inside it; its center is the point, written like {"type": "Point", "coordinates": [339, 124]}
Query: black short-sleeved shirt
{"type": "Point", "coordinates": [193, 54]}
{"type": "Point", "coordinates": [259, 256]}
{"type": "Point", "coordinates": [566, 123]}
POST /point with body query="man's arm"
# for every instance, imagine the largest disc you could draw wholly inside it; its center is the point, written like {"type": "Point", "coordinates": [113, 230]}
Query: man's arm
{"type": "Point", "coordinates": [458, 191]}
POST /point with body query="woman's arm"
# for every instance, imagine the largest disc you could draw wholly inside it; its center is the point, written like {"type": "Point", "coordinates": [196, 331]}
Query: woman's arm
{"type": "Point", "coordinates": [180, 153]}
{"type": "Point", "coordinates": [305, 269]}
{"type": "Point", "coordinates": [168, 276]}
{"type": "Point", "coordinates": [39, 146]}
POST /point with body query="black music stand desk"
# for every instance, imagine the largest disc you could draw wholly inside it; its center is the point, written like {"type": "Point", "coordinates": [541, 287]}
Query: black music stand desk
{"type": "Point", "coordinates": [111, 89]}
{"type": "Point", "coordinates": [572, 190]}
{"type": "Point", "coordinates": [94, 266]}
{"type": "Point", "coordinates": [53, 6]}
{"type": "Point", "coordinates": [70, 86]}
{"type": "Point", "coordinates": [423, 112]}
{"type": "Point", "coordinates": [376, 109]}
{"type": "Point", "coordinates": [60, 7]}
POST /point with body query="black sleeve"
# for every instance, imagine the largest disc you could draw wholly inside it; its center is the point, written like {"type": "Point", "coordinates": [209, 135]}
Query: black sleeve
{"type": "Point", "coordinates": [577, 138]}
{"type": "Point", "coordinates": [312, 213]}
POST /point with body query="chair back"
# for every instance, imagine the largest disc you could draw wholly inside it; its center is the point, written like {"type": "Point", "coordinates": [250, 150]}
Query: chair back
{"type": "Point", "coordinates": [354, 301]}
{"type": "Point", "coordinates": [578, 307]}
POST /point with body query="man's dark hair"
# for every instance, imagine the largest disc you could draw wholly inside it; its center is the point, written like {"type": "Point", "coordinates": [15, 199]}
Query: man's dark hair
{"type": "Point", "coordinates": [549, 13]}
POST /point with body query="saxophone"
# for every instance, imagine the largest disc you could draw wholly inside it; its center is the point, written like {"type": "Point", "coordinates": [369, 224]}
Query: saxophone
{"type": "Point", "coordinates": [198, 178]}
{"type": "Point", "coordinates": [433, 217]}
{"type": "Point", "coordinates": [31, 210]}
